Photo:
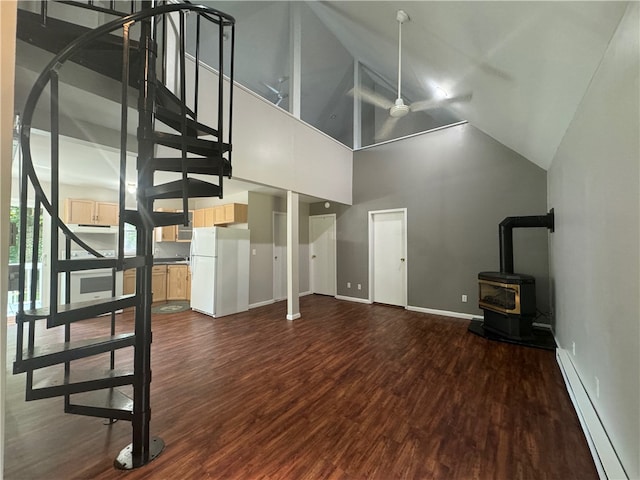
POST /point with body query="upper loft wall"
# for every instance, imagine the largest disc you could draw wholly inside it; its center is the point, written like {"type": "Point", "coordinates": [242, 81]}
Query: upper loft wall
{"type": "Point", "coordinates": [273, 148]}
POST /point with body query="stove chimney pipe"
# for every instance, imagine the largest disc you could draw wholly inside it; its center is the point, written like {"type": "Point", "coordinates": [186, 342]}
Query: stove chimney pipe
{"type": "Point", "coordinates": [506, 235]}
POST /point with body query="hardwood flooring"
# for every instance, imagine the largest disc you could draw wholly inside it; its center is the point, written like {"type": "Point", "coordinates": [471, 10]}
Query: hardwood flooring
{"type": "Point", "coordinates": [349, 391]}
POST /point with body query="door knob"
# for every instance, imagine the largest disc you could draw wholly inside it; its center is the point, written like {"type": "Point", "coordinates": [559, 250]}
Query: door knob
{"type": "Point", "coordinates": [313, 256]}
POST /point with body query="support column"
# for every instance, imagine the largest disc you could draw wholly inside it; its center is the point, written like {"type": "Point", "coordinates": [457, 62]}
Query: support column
{"type": "Point", "coordinates": [357, 110]}
{"type": "Point", "coordinates": [295, 44]}
{"type": "Point", "coordinates": [293, 288]}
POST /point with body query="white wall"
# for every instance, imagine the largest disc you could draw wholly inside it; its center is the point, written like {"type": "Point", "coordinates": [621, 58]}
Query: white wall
{"type": "Point", "coordinates": [273, 148]}
{"type": "Point", "coordinates": [593, 184]}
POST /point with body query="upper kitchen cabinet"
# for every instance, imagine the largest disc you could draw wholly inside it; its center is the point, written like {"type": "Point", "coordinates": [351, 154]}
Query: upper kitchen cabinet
{"type": "Point", "coordinates": [221, 215]}
{"type": "Point", "coordinates": [175, 233]}
{"type": "Point", "coordinates": [235, 213]}
{"type": "Point", "coordinates": [90, 212]}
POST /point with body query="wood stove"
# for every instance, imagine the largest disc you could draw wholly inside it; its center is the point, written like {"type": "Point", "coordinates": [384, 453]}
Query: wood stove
{"type": "Point", "coordinates": [509, 303]}
{"type": "Point", "coordinates": [508, 299]}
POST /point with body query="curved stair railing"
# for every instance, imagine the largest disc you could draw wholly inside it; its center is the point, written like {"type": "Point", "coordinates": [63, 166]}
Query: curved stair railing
{"type": "Point", "coordinates": [103, 394]}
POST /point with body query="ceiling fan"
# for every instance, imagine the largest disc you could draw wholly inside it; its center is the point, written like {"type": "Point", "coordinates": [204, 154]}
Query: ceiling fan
{"type": "Point", "coordinates": [280, 95]}
{"type": "Point", "coordinates": [399, 109]}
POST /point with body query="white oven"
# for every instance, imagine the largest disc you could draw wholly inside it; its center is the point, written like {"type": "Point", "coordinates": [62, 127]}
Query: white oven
{"type": "Point", "coordinates": [91, 284]}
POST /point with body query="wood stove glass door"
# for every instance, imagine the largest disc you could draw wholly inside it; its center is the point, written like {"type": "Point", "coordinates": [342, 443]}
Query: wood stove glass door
{"type": "Point", "coordinates": [388, 256]}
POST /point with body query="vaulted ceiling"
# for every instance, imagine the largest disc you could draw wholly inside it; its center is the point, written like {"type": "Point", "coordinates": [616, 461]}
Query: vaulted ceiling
{"type": "Point", "coordinates": [526, 64]}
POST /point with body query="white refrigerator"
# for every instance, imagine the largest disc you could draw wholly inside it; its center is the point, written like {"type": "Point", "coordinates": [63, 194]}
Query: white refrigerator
{"type": "Point", "coordinates": [219, 270]}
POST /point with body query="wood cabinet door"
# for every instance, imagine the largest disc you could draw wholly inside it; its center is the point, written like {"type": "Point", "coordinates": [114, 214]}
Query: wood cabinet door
{"type": "Point", "coordinates": [79, 211]}
{"type": "Point", "coordinates": [199, 218]}
{"type": "Point", "coordinates": [209, 217]}
{"type": "Point", "coordinates": [219, 215]}
{"type": "Point", "coordinates": [177, 282]}
{"type": "Point", "coordinates": [189, 283]}
{"type": "Point", "coordinates": [106, 213]}
{"type": "Point", "coordinates": [159, 283]}
{"type": "Point", "coordinates": [129, 282]}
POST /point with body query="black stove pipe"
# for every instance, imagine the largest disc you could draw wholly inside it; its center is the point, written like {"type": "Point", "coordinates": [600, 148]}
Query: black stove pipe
{"type": "Point", "coordinates": [506, 235]}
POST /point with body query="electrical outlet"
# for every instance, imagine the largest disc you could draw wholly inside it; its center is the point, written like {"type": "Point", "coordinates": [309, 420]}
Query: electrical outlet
{"type": "Point", "coordinates": [253, 251]}
{"type": "Point", "coordinates": [359, 286]}
{"type": "Point", "coordinates": [464, 299]}
{"type": "Point", "coordinates": [597, 387]}
{"type": "Point", "coordinates": [573, 348]}
{"type": "Point", "coordinates": [348, 284]}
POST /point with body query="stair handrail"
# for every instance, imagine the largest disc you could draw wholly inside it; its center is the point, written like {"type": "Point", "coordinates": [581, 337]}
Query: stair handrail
{"type": "Point", "coordinates": [54, 65]}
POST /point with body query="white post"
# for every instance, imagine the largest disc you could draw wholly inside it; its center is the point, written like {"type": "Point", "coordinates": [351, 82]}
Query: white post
{"type": "Point", "coordinates": [357, 108]}
{"type": "Point", "coordinates": [296, 59]}
{"type": "Point", "coordinates": [293, 288]}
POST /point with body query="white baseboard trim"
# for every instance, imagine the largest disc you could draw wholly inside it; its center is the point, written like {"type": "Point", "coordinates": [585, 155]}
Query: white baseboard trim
{"type": "Point", "coordinates": [302, 294]}
{"type": "Point", "coordinates": [604, 455]}
{"type": "Point", "coordinates": [353, 299]}
{"type": "Point", "coordinates": [446, 313]}
{"type": "Point", "coordinates": [295, 316]}
{"type": "Point", "coordinates": [261, 304]}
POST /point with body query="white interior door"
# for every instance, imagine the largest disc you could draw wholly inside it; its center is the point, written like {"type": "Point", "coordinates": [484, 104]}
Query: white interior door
{"type": "Point", "coordinates": [322, 246]}
{"type": "Point", "coordinates": [388, 257]}
{"type": "Point", "coordinates": [279, 256]}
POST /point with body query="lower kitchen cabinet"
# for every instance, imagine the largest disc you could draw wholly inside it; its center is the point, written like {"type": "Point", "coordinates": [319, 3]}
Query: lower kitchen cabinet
{"type": "Point", "coordinates": [177, 282]}
{"type": "Point", "coordinates": [168, 282]}
{"type": "Point", "coordinates": [129, 281]}
{"type": "Point", "coordinates": [159, 283]}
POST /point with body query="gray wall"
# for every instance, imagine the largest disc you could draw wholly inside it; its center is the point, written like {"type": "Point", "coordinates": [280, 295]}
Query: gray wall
{"type": "Point", "coordinates": [261, 208]}
{"type": "Point", "coordinates": [594, 188]}
{"type": "Point", "coordinates": [457, 185]}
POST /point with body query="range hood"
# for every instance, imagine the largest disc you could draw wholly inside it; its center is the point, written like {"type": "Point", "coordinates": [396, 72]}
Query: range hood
{"type": "Point", "coordinates": [100, 229]}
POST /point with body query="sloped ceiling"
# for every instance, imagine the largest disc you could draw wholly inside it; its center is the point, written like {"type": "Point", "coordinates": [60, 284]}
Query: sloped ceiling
{"type": "Point", "coordinates": [527, 64]}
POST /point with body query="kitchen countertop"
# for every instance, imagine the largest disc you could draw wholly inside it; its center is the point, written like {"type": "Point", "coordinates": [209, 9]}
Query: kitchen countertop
{"type": "Point", "coordinates": [171, 261]}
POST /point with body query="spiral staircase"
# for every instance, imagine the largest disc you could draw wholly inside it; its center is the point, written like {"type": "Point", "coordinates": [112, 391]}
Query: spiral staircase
{"type": "Point", "coordinates": [156, 67]}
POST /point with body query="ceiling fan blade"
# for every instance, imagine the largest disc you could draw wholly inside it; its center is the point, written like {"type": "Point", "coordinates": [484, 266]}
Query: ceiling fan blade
{"type": "Point", "coordinates": [440, 102]}
{"type": "Point", "coordinates": [371, 97]}
{"type": "Point", "coordinates": [387, 128]}
{"type": "Point", "coordinates": [272, 89]}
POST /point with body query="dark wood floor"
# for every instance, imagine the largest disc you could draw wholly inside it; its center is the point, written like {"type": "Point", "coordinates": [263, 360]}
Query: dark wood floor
{"type": "Point", "coordinates": [349, 391]}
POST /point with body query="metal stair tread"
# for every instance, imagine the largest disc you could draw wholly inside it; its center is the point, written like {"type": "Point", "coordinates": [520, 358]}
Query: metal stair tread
{"type": "Point", "coordinates": [192, 144]}
{"type": "Point", "coordinates": [159, 219]}
{"type": "Point", "coordinates": [52, 354]}
{"type": "Point", "coordinates": [173, 120]}
{"type": "Point", "coordinates": [106, 403]}
{"type": "Point", "coordinates": [71, 312]}
{"type": "Point", "coordinates": [196, 188]}
{"type": "Point", "coordinates": [169, 100]}
{"type": "Point", "coordinates": [199, 165]}
{"type": "Point", "coordinates": [80, 380]}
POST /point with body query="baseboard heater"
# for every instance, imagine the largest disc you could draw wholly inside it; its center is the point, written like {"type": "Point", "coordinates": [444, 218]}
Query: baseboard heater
{"type": "Point", "coordinates": [602, 451]}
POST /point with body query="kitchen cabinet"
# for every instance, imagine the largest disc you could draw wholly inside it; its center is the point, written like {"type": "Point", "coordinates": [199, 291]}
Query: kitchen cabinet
{"type": "Point", "coordinates": [188, 287]}
{"type": "Point", "coordinates": [166, 233]}
{"type": "Point", "coordinates": [89, 212]}
{"type": "Point", "coordinates": [174, 233]}
{"type": "Point", "coordinates": [235, 213]}
{"type": "Point", "coordinates": [178, 287]}
{"type": "Point", "coordinates": [221, 215]}
{"type": "Point", "coordinates": [182, 232]}
{"type": "Point", "coordinates": [129, 281]}
{"type": "Point", "coordinates": [198, 218]}
{"type": "Point", "coordinates": [159, 283]}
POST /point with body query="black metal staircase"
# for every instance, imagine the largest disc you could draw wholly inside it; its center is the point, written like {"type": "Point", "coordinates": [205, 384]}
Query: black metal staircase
{"type": "Point", "coordinates": [165, 118]}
